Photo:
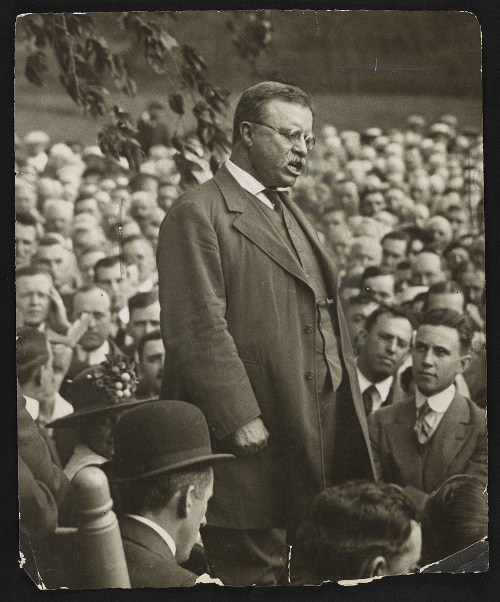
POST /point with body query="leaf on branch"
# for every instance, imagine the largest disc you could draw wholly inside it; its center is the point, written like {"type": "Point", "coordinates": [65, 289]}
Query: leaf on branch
{"type": "Point", "coordinates": [36, 65]}
{"type": "Point", "coordinates": [176, 103]}
{"type": "Point", "coordinates": [193, 59]}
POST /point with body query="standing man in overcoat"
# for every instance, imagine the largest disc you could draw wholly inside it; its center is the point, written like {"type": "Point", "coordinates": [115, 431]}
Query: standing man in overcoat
{"type": "Point", "coordinates": [255, 337]}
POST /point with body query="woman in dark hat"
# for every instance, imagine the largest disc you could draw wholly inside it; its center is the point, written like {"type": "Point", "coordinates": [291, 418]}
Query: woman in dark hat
{"type": "Point", "coordinates": [100, 395]}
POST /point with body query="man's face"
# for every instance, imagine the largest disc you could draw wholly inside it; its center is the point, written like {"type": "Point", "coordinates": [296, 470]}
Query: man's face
{"type": "Point", "coordinates": [33, 298]}
{"type": "Point", "coordinates": [437, 358]}
{"type": "Point", "coordinates": [385, 347]}
{"type": "Point", "coordinates": [381, 288]}
{"type": "Point", "coordinates": [274, 160]}
{"type": "Point", "coordinates": [115, 283]}
{"type": "Point", "coordinates": [393, 252]}
{"type": "Point", "coordinates": [188, 532]}
{"type": "Point", "coordinates": [456, 256]}
{"type": "Point", "coordinates": [86, 265]}
{"type": "Point", "coordinates": [25, 244]}
{"type": "Point", "coordinates": [143, 320]}
{"type": "Point", "coordinates": [459, 222]}
{"type": "Point", "coordinates": [153, 356]}
{"type": "Point", "coordinates": [373, 203]}
{"type": "Point", "coordinates": [427, 270]}
{"type": "Point", "coordinates": [408, 558]}
{"type": "Point", "coordinates": [57, 259]}
{"type": "Point", "coordinates": [167, 195]}
{"type": "Point", "coordinates": [97, 304]}
{"type": "Point", "coordinates": [59, 219]}
{"type": "Point", "coordinates": [356, 318]}
{"type": "Point", "coordinates": [402, 279]}
{"type": "Point", "coordinates": [440, 232]}
{"type": "Point", "coordinates": [140, 253]}
{"type": "Point", "coordinates": [473, 285]}
{"type": "Point", "coordinates": [364, 254]}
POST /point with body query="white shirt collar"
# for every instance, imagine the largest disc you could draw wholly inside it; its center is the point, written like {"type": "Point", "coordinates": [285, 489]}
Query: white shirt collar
{"type": "Point", "coordinates": [438, 403]}
{"type": "Point", "coordinates": [382, 387]}
{"type": "Point", "coordinates": [156, 527]}
{"type": "Point", "coordinates": [96, 356]}
{"type": "Point", "coordinates": [249, 183]}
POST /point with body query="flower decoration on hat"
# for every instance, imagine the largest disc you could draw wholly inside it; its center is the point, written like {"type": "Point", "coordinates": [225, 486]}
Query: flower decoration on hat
{"type": "Point", "coordinates": [116, 376]}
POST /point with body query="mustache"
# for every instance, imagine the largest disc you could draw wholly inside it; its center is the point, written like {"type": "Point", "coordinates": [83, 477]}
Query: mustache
{"type": "Point", "coordinates": [293, 157]}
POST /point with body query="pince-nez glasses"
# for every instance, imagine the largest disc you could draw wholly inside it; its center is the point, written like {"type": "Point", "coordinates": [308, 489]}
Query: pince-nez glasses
{"type": "Point", "coordinates": [293, 136]}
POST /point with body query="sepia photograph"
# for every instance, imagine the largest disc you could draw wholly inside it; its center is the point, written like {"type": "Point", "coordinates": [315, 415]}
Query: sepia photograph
{"type": "Point", "coordinates": [249, 297]}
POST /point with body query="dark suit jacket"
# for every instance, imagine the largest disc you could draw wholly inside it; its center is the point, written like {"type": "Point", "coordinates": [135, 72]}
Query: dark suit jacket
{"type": "Point", "coordinates": [150, 561]}
{"type": "Point", "coordinates": [396, 392]}
{"type": "Point", "coordinates": [237, 318]}
{"type": "Point", "coordinates": [458, 446]}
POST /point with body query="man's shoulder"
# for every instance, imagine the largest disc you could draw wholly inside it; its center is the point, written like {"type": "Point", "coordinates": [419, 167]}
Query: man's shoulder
{"type": "Point", "coordinates": [392, 413]}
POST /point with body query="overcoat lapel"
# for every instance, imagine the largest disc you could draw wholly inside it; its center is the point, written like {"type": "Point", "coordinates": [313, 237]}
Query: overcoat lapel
{"type": "Point", "coordinates": [447, 441]}
{"type": "Point", "coordinates": [403, 445]}
{"type": "Point", "coordinates": [249, 223]}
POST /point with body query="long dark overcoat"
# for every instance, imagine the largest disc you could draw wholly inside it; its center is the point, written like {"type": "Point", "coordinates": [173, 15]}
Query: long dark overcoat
{"type": "Point", "coordinates": [238, 322]}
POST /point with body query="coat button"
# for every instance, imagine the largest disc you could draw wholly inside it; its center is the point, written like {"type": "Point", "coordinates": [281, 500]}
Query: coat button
{"type": "Point", "coordinates": [309, 374]}
{"type": "Point", "coordinates": [308, 329]}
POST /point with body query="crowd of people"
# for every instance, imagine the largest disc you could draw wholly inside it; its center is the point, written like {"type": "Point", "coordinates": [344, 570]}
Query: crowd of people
{"type": "Point", "coordinates": [400, 213]}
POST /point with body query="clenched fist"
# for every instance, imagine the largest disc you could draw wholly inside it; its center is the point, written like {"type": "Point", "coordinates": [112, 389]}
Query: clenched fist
{"type": "Point", "coordinates": [250, 438]}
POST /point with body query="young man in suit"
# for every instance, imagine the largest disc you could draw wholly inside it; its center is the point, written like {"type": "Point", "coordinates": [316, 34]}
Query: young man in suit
{"type": "Point", "coordinates": [162, 467]}
{"type": "Point", "coordinates": [437, 433]}
{"type": "Point", "coordinates": [385, 343]}
{"type": "Point", "coordinates": [255, 337]}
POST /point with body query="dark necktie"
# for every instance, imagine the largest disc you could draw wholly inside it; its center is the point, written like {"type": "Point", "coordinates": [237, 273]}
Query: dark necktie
{"type": "Point", "coordinates": [424, 425]}
{"type": "Point", "coordinates": [369, 395]}
{"type": "Point", "coordinates": [275, 197]}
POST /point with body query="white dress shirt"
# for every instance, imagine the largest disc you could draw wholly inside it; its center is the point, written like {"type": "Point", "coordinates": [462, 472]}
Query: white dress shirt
{"type": "Point", "coordinates": [382, 387]}
{"type": "Point", "coordinates": [96, 356]}
{"type": "Point", "coordinates": [249, 183]}
{"type": "Point", "coordinates": [156, 527]}
{"type": "Point", "coordinates": [438, 403]}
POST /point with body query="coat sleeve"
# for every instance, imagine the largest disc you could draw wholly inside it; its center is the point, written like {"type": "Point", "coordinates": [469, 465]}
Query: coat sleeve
{"type": "Point", "coordinates": [201, 355]}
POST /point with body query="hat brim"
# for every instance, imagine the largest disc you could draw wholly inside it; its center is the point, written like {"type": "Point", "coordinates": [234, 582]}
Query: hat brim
{"type": "Point", "coordinates": [207, 460]}
{"type": "Point", "coordinates": [71, 420]}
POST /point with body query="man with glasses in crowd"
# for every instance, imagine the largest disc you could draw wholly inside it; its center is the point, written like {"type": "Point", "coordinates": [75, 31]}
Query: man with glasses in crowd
{"type": "Point", "coordinates": [255, 337]}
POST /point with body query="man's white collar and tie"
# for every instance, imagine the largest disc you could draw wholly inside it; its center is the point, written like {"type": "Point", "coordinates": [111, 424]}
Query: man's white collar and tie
{"type": "Point", "coordinates": [430, 411]}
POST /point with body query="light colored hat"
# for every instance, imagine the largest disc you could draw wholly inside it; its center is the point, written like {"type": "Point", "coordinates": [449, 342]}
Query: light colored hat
{"type": "Point", "coordinates": [37, 137]}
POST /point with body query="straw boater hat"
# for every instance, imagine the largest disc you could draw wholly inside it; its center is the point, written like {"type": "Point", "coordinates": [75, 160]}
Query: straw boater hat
{"type": "Point", "coordinates": [160, 437]}
{"type": "Point", "coordinates": [106, 387]}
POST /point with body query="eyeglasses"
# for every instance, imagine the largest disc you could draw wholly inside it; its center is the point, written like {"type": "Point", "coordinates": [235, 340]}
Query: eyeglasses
{"type": "Point", "coordinates": [293, 136]}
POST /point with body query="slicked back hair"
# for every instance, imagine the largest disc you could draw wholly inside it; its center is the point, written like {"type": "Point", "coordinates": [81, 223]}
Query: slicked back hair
{"type": "Point", "coordinates": [385, 310]}
{"type": "Point", "coordinates": [451, 319]}
{"type": "Point", "coordinates": [254, 100]}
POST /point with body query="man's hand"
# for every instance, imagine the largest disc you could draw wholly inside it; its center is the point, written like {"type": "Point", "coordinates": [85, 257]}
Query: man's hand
{"type": "Point", "coordinates": [58, 317]}
{"type": "Point", "coordinates": [250, 438]}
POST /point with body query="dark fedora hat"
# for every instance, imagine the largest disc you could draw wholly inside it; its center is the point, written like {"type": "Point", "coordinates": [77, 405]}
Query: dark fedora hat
{"type": "Point", "coordinates": [160, 437]}
{"type": "Point", "coordinates": [106, 387]}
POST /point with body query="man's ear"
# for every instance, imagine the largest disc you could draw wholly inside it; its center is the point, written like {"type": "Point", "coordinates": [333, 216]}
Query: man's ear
{"type": "Point", "coordinates": [377, 567]}
{"type": "Point", "coordinates": [246, 133]}
{"type": "Point", "coordinates": [37, 375]}
{"type": "Point", "coordinates": [361, 338]}
{"type": "Point", "coordinates": [184, 501]}
{"type": "Point", "coordinates": [465, 361]}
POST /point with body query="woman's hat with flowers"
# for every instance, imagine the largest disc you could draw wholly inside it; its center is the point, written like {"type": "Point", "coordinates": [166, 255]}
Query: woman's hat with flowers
{"type": "Point", "coordinates": [105, 387]}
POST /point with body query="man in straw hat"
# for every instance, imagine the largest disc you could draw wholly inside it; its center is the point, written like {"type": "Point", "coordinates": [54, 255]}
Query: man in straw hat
{"type": "Point", "coordinates": [162, 466]}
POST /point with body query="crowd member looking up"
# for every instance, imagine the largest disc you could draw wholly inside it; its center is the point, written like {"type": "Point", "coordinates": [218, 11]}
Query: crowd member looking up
{"type": "Point", "coordinates": [58, 216]}
{"type": "Point", "coordinates": [137, 250]}
{"type": "Point", "coordinates": [394, 248]}
{"type": "Point", "coordinates": [26, 235]}
{"type": "Point", "coordinates": [357, 310]}
{"type": "Point", "coordinates": [440, 233]}
{"type": "Point", "coordinates": [60, 261]}
{"type": "Point", "coordinates": [151, 355]}
{"type": "Point", "coordinates": [162, 466]}
{"type": "Point", "coordinates": [358, 530]}
{"type": "Point", "coordinates": [144, 311]}
{"type": "Point", "coordinates": [427, 268]}
{"type": "Point", "coordinates": [384, 343]}
{"type": "Point", "coordinates": [86, 265]}
{"type": "Point", "coordinates": [402, 277]}
{"type": "Point", "coordinates": [364, 251]}
{"type": "Point", "coordinates": [379, 283]}
{"type": "Point", "coordinates": [439, 433]}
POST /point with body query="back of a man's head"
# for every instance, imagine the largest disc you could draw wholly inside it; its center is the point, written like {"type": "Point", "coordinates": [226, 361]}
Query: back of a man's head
{"type": "Point", "coordinates": [358, 530]}
{"type": "Point", "coordinates": [32, 353]}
